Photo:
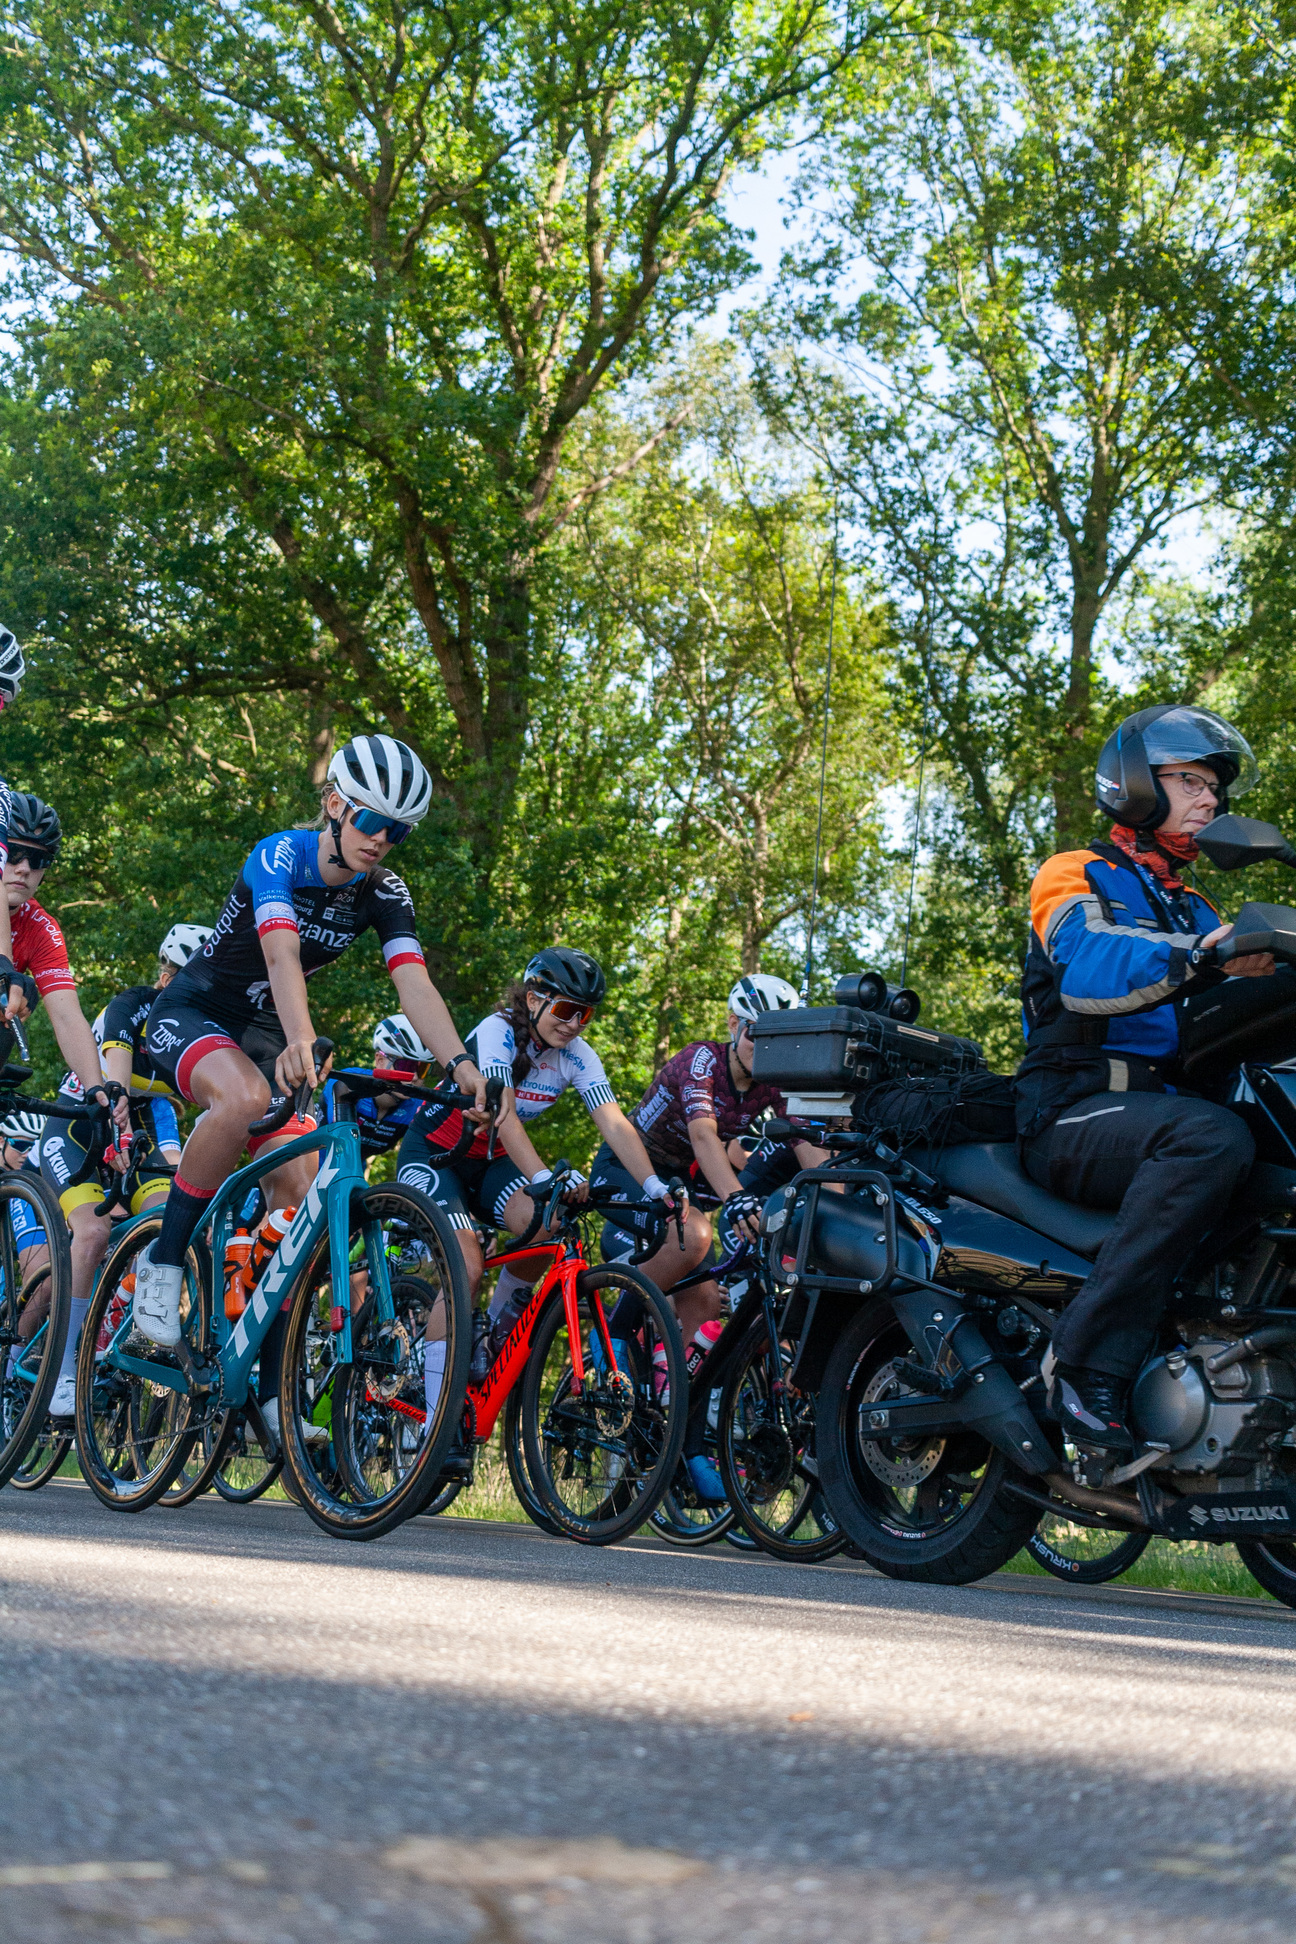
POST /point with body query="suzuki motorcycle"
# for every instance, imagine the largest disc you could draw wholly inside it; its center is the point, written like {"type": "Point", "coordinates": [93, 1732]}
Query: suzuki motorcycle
{"type": "Point", "coordinates": [921, 1292]}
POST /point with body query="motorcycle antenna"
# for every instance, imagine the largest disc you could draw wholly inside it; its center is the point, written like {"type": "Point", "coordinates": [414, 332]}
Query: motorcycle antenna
{"type": "Point", "coordinates": [913, 853]}
{"type": "Point", "coordinates": [823, 762]}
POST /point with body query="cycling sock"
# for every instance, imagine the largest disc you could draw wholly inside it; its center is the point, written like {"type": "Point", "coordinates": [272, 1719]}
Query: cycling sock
{"type": "Point", "coordinates": [511, 1295]}
{"type": "Point", "coordinates": [185, 1208]}
{"type": "Point", "coordinates": [434, 1359]}
{"type": "Point", "coordinates": [270, 1362]}
{"type": "Point", "coordinates": [79, 1306]}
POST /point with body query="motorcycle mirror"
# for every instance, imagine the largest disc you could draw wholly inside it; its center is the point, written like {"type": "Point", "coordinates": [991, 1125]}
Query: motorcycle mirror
{"type": "Point", "coordinates": [1233, 842]}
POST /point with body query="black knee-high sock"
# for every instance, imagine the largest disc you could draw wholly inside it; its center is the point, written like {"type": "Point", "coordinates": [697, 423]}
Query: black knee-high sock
{"type": "Point", "coordinates": [185, 1208]}
{"type": "Point", "coordinates": [270, 1362]}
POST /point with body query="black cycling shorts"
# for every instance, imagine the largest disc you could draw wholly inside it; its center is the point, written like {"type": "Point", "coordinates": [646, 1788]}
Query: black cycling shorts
{"type": "Point", "coordinates": [641, 1230]}
{"type": "Point", "coordinates": [64, 1146]}
{"type": "Point", "coordinates": [467, 1191]}
{"type": "Point", "coordinates": [180, 1034]}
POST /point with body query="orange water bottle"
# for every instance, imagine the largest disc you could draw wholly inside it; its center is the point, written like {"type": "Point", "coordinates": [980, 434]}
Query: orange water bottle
{"type": "Point", "coordinates": [268, 1237]}
{"type": "Point", "coordinates": [238, 1254]}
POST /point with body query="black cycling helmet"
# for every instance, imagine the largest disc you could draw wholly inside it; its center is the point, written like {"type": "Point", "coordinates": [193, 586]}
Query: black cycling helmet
{"type": "Point", "coordinates": [1127, 788]}
{"type": "Point", "coordinates": [32, 821]}
{"type": "Point", "coordinates": [568, 974]}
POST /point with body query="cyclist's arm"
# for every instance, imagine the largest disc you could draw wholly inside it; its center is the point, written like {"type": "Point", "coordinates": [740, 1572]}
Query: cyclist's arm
{"type": "Point", "coordinates": [712, 1158]}
{"type": "Point", "coordinates": [77, 1045]}
{"type": "Point", "coordinates": [15, 1007]}
{"type": "Point", "coordinates": [282, 950]}
{"type": "Point", "coordinates": [622, 1136]}
{"type": "Point", "coordinates": [429, 1015]}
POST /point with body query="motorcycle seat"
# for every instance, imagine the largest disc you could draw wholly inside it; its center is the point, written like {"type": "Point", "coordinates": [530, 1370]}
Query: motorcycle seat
{"type": "Point", "coordinates": [990, 1173]}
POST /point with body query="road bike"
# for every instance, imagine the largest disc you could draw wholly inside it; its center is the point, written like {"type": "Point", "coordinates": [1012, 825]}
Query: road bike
{"type": "Point", "coordinates": [360, 1270]}
{"type": "Point", "coordinates": [600, 1447]}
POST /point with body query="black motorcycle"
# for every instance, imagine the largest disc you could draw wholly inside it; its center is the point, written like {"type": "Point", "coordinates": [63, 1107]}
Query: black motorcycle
{"type": "Point", "coordinates": [921, 1292]}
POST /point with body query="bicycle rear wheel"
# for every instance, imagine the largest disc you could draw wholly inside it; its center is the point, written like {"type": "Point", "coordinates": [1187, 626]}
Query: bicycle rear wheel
{"type": "Point", "coordinates": [602, 1458]}
{"type": "Point", "coordinates": [134, 1434]}
{"type": "Point", "coordinates": [29, 1359]}
{"type": "Point", "coordinates": [381, 1463]}
{"type": "Point", "coordinates": [245, 1467]}
{"type": "Point", "coordinates": [767, 1460]}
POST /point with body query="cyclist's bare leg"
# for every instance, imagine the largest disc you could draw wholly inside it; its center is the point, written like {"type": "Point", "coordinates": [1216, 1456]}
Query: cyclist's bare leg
{"type": "Point", "coordinates": [232, 1093]}
{"type": "Point", "coordinates": [36, 1308]}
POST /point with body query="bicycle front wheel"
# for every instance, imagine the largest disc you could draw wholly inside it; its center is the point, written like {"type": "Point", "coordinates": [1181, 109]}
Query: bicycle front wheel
{"type": "Point", "coordinates": [34, 1309]}
{"type": "Point", "coordinates": [767, 1460]}
{"type": "Point", "coordinates": [245, 1467]}
{"type": "Point", "coordinates": [356, 1442]}
{"type": "Point", "coordinates": [601, 1457]}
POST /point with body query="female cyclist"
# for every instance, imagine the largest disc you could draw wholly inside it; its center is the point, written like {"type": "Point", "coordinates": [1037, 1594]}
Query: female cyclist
{"type": "Point", "coordinates": [119, 1034]}
{"type": "Point", "coordinates": [532, 1043]}
{"type": "Point", "coordinates": [234, 1033]}
{"type": "Point", "coordinates": [12, 670]}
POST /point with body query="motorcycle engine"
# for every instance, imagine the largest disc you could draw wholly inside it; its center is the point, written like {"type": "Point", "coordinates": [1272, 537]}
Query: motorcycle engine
{"type": "Point", "coordinates": [1213, 1420]}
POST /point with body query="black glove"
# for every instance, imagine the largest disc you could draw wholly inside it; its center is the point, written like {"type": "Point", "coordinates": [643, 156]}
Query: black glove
{"type": "Point", "coordinates": [8, 976]}
{"type": "Point", "coordinates": [741, 1204]}
{"type": "Point", "coordinates": [31, 992]}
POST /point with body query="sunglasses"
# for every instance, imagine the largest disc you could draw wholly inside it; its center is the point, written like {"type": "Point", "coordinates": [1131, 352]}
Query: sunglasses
{"type": "Point", "coordinates": [400, 1069]}
{"type": "Point", "coordinates": [569, 1012]}
{"type": "Point", "coordinates": [374, 824]}
{"type": "Point", "coordinates": [24, 854]}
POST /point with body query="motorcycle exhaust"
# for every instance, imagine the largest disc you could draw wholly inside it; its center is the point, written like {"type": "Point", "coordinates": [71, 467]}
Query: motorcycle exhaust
{"type": "Point", "coordinates": [1117, 1505]}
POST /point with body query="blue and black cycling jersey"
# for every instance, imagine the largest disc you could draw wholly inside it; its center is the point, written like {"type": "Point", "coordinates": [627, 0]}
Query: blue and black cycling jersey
{"type": "Point", "coordinates": [280, 889]}
{"type": "Point", "coordinates": [366, 1109]}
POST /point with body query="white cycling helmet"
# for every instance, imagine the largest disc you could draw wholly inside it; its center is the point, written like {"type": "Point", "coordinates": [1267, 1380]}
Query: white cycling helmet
{"type": "Point", "coordinates": [758, 992]}
{"type": "Point", "coordinates": [396, 1038]}
{"type": "Point", "coordinates": [182, 941]}
{"type": "Point", "coordinates": [22, 1127]}
{"type": "Point", "coordinates": [379, 773]}
{"type": "Point", "coordinates": [12, 667]}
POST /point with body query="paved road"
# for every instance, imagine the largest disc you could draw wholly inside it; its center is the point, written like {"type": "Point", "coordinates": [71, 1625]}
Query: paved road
{"type": "Point", "coordinates": [219, 1725]}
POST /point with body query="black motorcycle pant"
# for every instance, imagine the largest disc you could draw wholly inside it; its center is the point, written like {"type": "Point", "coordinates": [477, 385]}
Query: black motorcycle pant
{"type": "Point", "coordinates": [1169, 1164]}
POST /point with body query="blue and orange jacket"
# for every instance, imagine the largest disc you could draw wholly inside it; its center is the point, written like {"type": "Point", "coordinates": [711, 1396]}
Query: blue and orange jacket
{"type": "Point", "coordinates": [1110, 952]}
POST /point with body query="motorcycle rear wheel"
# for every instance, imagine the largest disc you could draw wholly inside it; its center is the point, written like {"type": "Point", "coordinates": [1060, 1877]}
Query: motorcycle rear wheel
{"type": "Point", "coordinates": [925, 1508]}
{"type": "Point", "coordinates": [1273, 1563]}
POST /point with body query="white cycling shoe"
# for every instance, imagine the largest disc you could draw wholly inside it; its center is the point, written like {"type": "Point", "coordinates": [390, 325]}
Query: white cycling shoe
{"type": "Point", "coordinates": [312, 1434]}
{"type": "Point", "coordinates": [63, 1403]}
{"type": "Point", "coordinates": [155, 1311]}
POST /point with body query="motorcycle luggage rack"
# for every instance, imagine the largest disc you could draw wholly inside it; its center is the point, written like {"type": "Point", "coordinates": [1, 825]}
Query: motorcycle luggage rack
{"type": "Point", "coordinates": [808, 1285]}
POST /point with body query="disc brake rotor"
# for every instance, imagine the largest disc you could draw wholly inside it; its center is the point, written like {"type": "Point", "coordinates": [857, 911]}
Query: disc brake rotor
{"type": "Point", "coordinates": [899, 1462]}
{"type": "Point", "coordinates": [614, 1406]}
{"type": "Point", "coordinates": [395, 1340]}
{"type": "Point", "coordinates": [768, 1458]}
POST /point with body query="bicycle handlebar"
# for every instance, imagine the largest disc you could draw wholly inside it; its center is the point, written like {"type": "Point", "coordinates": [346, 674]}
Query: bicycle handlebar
{"type": "Point", "coordinates": [295, 1105]}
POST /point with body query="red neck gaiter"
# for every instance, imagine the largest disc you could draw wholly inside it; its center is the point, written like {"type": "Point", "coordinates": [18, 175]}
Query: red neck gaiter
{"type": "Point", "coordinates": [1159, 852]}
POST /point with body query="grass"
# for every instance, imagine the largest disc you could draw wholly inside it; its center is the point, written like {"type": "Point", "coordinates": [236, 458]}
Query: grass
{"type": "Point", "coordinates": [1178, 1566]}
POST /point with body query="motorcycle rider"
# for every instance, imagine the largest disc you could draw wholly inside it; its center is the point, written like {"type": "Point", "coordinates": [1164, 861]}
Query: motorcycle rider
{"type": "Point", "coordinates": [1116, 937]}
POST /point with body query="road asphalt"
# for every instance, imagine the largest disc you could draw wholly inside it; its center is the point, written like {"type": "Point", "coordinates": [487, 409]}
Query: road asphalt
{"type": "Point", "coordinates": [220, 1725]}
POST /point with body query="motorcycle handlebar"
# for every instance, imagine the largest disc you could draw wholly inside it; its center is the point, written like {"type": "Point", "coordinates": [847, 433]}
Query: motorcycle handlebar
{"type": "Point", "coordinates": [295, 1105]}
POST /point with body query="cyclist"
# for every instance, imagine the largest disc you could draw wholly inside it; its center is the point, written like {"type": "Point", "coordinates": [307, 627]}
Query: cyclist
{"type": "Point", "coordinates": [119, 1033]}
{"type": "Point", "coordinates": [12, 670]}
{"type": "Point", "coordinates": [20, 1134]}
{"type": "Point", "coordinates": [1113, 934]}
{"type": "Point", "coordinates": [703, 1100]}
{"type": "Point", "coordinates": [398, 1050]}
{"type": "Point", "coordinates": [532, 1043]}
{"type": "Point", "coordinates": [39, 949]}
{"type": "Point", "coordinates": [233, 1031]}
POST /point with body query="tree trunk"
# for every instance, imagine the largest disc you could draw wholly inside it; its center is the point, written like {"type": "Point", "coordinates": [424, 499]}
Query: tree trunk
{"type": "Point", "coordinates": [1072, 792]}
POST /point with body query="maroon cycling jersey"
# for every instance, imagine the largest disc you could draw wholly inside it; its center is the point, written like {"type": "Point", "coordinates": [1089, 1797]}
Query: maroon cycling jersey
{"type": "Point", "coordinates": [696, 1085]}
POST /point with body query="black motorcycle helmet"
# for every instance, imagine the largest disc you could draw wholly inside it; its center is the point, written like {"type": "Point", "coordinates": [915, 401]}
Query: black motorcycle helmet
{"type": "Point", "coordinates": [32, 821]}
{"type": "Point", "coordinates": [567, 974]}
{"type": "Point", "coordinates": [1127, 789]}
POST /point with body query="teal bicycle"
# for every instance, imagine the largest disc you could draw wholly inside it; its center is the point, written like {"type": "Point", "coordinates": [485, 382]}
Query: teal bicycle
{"type": "Point", "coordinates": [360, 1271]}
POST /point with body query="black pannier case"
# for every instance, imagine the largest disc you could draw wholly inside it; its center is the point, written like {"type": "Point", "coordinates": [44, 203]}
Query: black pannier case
{"type": "Point", "coordinates": [839, 1049]}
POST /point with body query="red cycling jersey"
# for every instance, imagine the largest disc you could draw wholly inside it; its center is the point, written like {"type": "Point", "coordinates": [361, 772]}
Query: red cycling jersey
{"type": "Point", "coordinates": [697, 1085]}
{"type": "Point", "coordinates": [39, 948]}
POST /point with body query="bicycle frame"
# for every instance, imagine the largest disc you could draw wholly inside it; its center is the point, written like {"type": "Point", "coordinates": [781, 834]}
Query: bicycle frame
{"type": "Point", "coordinates": [326, 1206]}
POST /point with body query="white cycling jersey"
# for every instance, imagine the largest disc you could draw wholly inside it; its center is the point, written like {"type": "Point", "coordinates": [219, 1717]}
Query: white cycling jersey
{"type": "Point", "coordinates": [553, 1068]}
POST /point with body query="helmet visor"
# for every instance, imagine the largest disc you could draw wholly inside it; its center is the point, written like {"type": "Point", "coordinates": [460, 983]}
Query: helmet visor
{"type": "Point", "coordinates": [376, 823]}
{"type": "Point", "coordinates": [1191, 735]}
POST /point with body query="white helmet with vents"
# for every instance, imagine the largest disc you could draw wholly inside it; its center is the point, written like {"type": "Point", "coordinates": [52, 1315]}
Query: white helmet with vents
{"type": "Point", "coordinates": [12, 666]}
{"type": "Point", "coordinates": [379, 773]}
{"type": "Point", "coordinates": [22, 1127]}
{"type": "Point", "coordinates": [758, 992]}
{"type": "Point", "coordinates": [396, 1039]}
{"type": "Point", "coordinates": [182, 941]}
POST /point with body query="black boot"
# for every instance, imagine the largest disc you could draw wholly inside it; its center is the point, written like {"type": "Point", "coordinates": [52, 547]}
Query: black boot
{"type": "Point", "coordinates": [1090, 1407]}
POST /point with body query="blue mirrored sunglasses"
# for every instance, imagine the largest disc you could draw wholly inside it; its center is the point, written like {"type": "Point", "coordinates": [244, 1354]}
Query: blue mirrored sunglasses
{"type": "Point", "coordinates": [374, 824]}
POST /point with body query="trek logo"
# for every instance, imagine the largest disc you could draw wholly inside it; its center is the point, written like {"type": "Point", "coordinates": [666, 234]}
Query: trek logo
{"type": "Point", "coordinates": [269, 1291]}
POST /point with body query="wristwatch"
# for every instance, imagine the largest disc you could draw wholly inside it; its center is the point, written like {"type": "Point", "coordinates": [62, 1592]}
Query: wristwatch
{"type": "Point", "coordinates": [457, 1060]}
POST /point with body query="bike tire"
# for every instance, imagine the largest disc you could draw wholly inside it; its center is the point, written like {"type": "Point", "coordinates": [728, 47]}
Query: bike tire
{"type": "Point", "coordinates": [27, 1384]}
{"type": "Point", "coordinates": [43, 1461]}
{"type": "Point", "coordinates": [638, 1439]}
{"type": "Point", "coordinates": [1273, 1563]}
{"type": "Point", "coordinates": [244, 1468]}
{"type": "Point", "coordinates": [515, 1463]}
{"type": "Point", "coordinates": [1081, 1561]}
{"type": "Point", "coordinates": [334, 1502]}
{"type": "Point", "coordinates": [670, 1521]}
{"type": "Point", "coordinates": [115, 1429]}
{"type": "Point", "coordinates": [763, 1465]}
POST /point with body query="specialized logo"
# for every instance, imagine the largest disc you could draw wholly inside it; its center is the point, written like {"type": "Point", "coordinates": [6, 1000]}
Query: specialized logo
{"type": "Point", "coordinates": [269, 1291]}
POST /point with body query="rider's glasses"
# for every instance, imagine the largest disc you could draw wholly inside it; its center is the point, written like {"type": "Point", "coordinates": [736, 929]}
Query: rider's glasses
{"type": "Point", "coordinates": [1195, 786]}
{"type": "Point", "coordinates": [374, 824]}
{"type": "Point", "coordinates": [400, 1069]}
{"type": "Point", "coordinates": [24, 854]}
{"type": "Point", "coordinates": [570, 1012]}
